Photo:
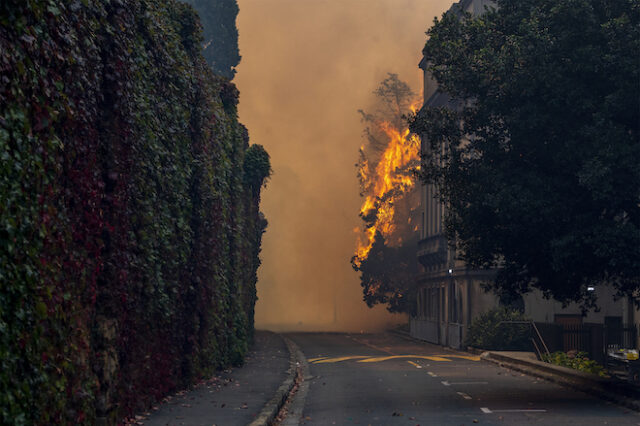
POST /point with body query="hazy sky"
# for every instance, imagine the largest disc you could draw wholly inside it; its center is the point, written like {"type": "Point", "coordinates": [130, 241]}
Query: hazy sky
{"type": "Point", "coordinates": [307, 67]}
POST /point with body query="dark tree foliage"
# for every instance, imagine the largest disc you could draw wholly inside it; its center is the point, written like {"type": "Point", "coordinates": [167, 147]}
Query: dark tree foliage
{"type": "Point", "coordinates": [388, 275]}
{"type": "Point", "coordinates": [129, 238]}
{"type": "Point", "coordinates": [220, 44]}
{"type": "Point", "coordinates": [543, 176]}
{"type": "Point", "coordinates": [257, 167]}
{"type": "Point", "coordinates": [494, 330]}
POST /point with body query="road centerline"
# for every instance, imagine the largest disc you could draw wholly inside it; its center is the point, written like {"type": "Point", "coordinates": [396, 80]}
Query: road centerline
{"type": "Point", "coordinates": [339, 359]}
{"type": "Point", "coordinates": [448, 383]}
{"type": "Point", "coordinates": [373, 358]}
{"type": "Point", "coordinates": [464, 395]}
{"type": "Point", "coordinates": [387, 358]}
{"type": "Point", "coordinates": [486, 410]}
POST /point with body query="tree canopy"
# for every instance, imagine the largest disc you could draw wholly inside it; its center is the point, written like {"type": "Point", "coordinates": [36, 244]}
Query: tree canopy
{"type": "Point", "coordinates": [541, 171]}
{"type": "Point", "coordinates": [386, 259]}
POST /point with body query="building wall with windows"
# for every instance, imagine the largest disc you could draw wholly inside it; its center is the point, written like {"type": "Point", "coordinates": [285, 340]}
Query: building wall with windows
{"type": "Point", "coordinates": [449, 295]}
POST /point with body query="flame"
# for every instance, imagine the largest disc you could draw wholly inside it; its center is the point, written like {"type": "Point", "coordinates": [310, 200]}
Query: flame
{"type": "Point", "coordinates": [390, 181]}
{"type": "Point", "coordinates": [415, 106]}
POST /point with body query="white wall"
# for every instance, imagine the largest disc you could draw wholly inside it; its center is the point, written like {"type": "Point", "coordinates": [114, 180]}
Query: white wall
{"type": "Point", "coordinates": [542, 310]}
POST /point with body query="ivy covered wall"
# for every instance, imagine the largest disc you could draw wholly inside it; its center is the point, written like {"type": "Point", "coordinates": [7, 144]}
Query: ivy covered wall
{"type": "Point", "coordinates": [129, 221]}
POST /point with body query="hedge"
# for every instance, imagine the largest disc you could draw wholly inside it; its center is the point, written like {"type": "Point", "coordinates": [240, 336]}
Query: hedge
{"type": "Point", "coordinates": [129, 232]}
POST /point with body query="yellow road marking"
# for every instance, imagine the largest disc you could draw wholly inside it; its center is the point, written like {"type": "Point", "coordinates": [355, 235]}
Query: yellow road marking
{"type": "Point", "coordinates": [437, 358]}
{"type": "Point", "coordinates": [414, 364]}
{"type": "Point", "coordinates": [386, 358]}
{"type": "Point", "coordinates": [342, 358]}
{"type": "Point", "coordinates": [365, 358]}
{"type": "Point", "coordinates": [470, 358]}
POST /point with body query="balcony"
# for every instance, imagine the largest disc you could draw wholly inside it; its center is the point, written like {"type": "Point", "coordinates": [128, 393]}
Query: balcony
{"type": "Point", "coordinates": [432, 251]}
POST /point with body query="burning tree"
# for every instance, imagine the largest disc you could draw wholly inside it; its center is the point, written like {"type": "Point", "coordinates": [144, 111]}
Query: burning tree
{"type": "Point", "coordinates": [385, 253]}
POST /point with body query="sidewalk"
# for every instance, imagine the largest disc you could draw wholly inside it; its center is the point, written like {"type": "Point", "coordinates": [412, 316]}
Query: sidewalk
{"type": "Point", "coordinates": [232, 397]}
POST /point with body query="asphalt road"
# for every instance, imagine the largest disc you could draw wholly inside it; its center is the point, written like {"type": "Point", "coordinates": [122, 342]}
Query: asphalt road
{"type": "Point", "coordinates": [384, 379]}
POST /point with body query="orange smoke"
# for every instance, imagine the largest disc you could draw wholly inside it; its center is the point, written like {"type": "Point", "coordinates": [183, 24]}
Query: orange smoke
{"type": "Point", "coordinates": [392, 178]}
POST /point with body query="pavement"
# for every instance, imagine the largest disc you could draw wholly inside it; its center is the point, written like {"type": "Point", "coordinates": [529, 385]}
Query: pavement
{"type": "Point", "coordinates": [611, 389]}
{"type": "Point", "coordinates": [387, 379]}
{"type": "Point", "coordinates": [237, 396]}
{"type": "Point", "coordinates": [382, 379]}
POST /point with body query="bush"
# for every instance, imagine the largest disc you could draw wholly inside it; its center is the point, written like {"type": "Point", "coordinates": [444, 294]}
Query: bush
{"type": "Point", "coordinates": [576, 360]}
{"type": "Point", "coordinates": [489, 331]}
{"type": "Point", "coordinates": [257, 167]}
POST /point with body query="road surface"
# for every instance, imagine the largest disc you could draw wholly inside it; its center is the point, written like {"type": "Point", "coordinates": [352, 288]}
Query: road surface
{"type": "Point", "coordinates": [384, 379]}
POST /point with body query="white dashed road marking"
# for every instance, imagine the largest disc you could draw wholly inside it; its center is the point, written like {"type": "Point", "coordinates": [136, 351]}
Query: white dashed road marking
{"type": "Point", "coordinates": [446, 383]}
{"type": "Point", "coordinates": [488, 411]}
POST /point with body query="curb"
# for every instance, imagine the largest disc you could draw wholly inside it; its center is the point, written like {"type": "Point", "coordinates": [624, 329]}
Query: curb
{"type": "Point", "coordinates": [272, 408]}
{"type": "Point", "coordinates": [600, 387]}
{"type": "Point", "coordinates": [295, 410]}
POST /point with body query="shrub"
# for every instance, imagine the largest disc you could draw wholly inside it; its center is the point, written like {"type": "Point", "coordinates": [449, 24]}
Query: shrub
{"type": "Point", "coordinates": [257, 167]}
{"type": "Point", "coordinates": [576, 360]}
{"type": "Point", "coordinates": [489, 331]}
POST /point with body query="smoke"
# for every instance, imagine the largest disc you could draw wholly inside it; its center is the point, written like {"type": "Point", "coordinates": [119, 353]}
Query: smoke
{"type": "Point", "coordinates": [307, 67]}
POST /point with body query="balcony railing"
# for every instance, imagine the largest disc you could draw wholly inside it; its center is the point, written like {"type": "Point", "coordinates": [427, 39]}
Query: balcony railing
{"type": "Point", "coordinates": [432, 250]}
